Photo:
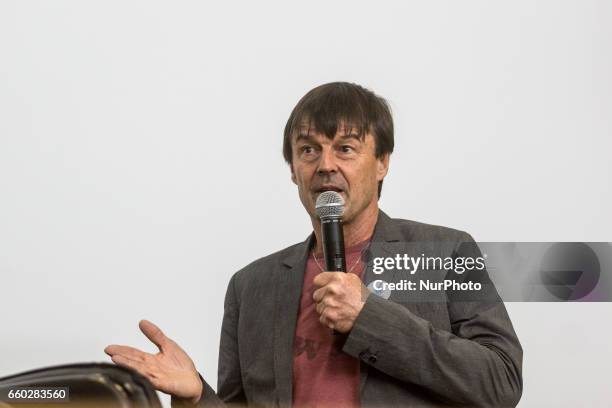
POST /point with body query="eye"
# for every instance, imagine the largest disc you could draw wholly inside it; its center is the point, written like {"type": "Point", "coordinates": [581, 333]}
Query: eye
{"type": "Point", "coordinates": [346, 149]}
{"type": "Point", "coordinates": [307, 151]}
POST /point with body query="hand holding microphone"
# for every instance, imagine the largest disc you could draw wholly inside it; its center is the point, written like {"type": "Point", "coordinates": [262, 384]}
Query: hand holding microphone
{"type": "Point", "coordinates": [340, 296]}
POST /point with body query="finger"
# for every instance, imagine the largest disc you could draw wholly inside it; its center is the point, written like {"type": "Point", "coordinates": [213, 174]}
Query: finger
{"type": "Point", "coordinates": [319, 294]}
{"type": "Point", "coordinates": [153, 333]}
{"type": "Point", "coordinates": [330, 315]}
{"type": "Point", "coordinates": [324, 278]}
{"type": "Point", "coordinates": [126, 351]}
{"type": "Point", "coordinates": [134, 365]}
{"type": "Point", "coordinates": [327, 301]}
{"type": "Point", "coordinates": [325, 322]}
{"type": "Point", "coordinates": [320, 308]}
{"type": "Point", "coordinates": [150, 372]}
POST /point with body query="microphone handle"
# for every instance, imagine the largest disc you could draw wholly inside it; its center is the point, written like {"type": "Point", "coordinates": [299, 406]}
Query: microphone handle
{"type": "Point", "coordinates": [333, 244]}
{"type": "Point", "coordinates": [332, 236]}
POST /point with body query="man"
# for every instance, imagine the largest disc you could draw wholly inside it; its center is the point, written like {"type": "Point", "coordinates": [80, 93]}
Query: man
{"type": "Point", "coordinates": [277, 344]}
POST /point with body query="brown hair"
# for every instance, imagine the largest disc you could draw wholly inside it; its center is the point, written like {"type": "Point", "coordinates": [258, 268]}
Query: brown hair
{"type": "Point", "coordinates": [329, 106]}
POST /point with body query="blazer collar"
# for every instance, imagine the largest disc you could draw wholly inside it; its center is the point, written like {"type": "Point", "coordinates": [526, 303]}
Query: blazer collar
{"type": "Point", "coordinates": [385, 230]}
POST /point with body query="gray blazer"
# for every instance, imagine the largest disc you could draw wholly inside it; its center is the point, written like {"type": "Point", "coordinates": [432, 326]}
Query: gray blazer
{"type": "Point", "coordinates": [413, 354]}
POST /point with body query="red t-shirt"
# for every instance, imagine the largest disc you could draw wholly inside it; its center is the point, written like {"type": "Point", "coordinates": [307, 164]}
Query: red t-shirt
{"type": "Point", "coordinates": [323, 375]}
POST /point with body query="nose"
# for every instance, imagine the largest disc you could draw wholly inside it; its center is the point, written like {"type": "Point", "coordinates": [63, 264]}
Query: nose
{"type": "Point", "coordinates": [327, 162]}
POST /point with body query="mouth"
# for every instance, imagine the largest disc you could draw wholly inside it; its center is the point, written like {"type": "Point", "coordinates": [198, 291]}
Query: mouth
{"type": "Point", "coordinates": [328, 187]}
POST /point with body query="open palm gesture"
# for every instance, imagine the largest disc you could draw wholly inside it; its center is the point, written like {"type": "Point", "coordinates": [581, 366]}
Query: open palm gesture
{"type": "Point", "coordinates": [170, 370]}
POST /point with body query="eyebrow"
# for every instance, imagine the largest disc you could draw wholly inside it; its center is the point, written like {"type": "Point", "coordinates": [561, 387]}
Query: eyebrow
{"type": "Point", "coordinates": [351, 135]}
{"type": "Point", "coordinates": [303, 137]}
{"type": "Point", "coordinates": [308, 137]}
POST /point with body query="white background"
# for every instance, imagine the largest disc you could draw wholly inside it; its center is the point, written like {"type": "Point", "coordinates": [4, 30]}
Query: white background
{"type": "Point", "coordinates": [141, 166]}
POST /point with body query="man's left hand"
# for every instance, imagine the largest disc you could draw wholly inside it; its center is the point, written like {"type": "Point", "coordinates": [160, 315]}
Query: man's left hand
{"type": "Point", "coordinates": [339, 298]}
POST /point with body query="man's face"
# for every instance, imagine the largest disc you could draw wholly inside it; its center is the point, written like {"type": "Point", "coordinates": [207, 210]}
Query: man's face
{"type": "Point", "coordinates": [346, 164]}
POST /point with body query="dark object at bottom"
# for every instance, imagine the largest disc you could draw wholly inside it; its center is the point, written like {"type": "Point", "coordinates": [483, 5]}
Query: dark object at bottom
{"type": "Point", "coordinates": [87, 385]}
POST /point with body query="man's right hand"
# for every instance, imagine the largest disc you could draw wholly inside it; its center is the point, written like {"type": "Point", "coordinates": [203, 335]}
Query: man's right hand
{"type": "Point", "coordinates": [171, 370]}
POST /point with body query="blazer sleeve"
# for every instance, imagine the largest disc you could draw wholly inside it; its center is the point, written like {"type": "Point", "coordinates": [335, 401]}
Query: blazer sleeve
{"type": "Point", "coordinates": [230, 391]}
{"type": "Point", "coordinates": [477, 363]}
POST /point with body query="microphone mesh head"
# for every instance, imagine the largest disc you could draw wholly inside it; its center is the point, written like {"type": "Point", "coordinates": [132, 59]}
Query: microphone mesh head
{"type": "Point", "coordinates": [329, 204]}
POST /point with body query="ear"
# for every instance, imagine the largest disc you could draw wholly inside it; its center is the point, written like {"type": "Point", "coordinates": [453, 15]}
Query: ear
{"type": "Point", "coordinates": [382, 166]}
{"type": "Point", "coordinates": [293, 175]}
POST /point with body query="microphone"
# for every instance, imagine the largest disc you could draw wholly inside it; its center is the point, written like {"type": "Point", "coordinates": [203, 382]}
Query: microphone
{"type": "Point", "coordinates": [330, 208]}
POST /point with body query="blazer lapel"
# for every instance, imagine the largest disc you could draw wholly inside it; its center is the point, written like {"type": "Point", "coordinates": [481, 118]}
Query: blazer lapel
{"type": "Point", "coordinates": [385, 233]}
{"type": "Point", "coordinates": [289, 291]}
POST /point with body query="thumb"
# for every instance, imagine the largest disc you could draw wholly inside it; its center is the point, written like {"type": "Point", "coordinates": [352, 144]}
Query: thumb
{"type": "Point", "coordinates": [153, 333]}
